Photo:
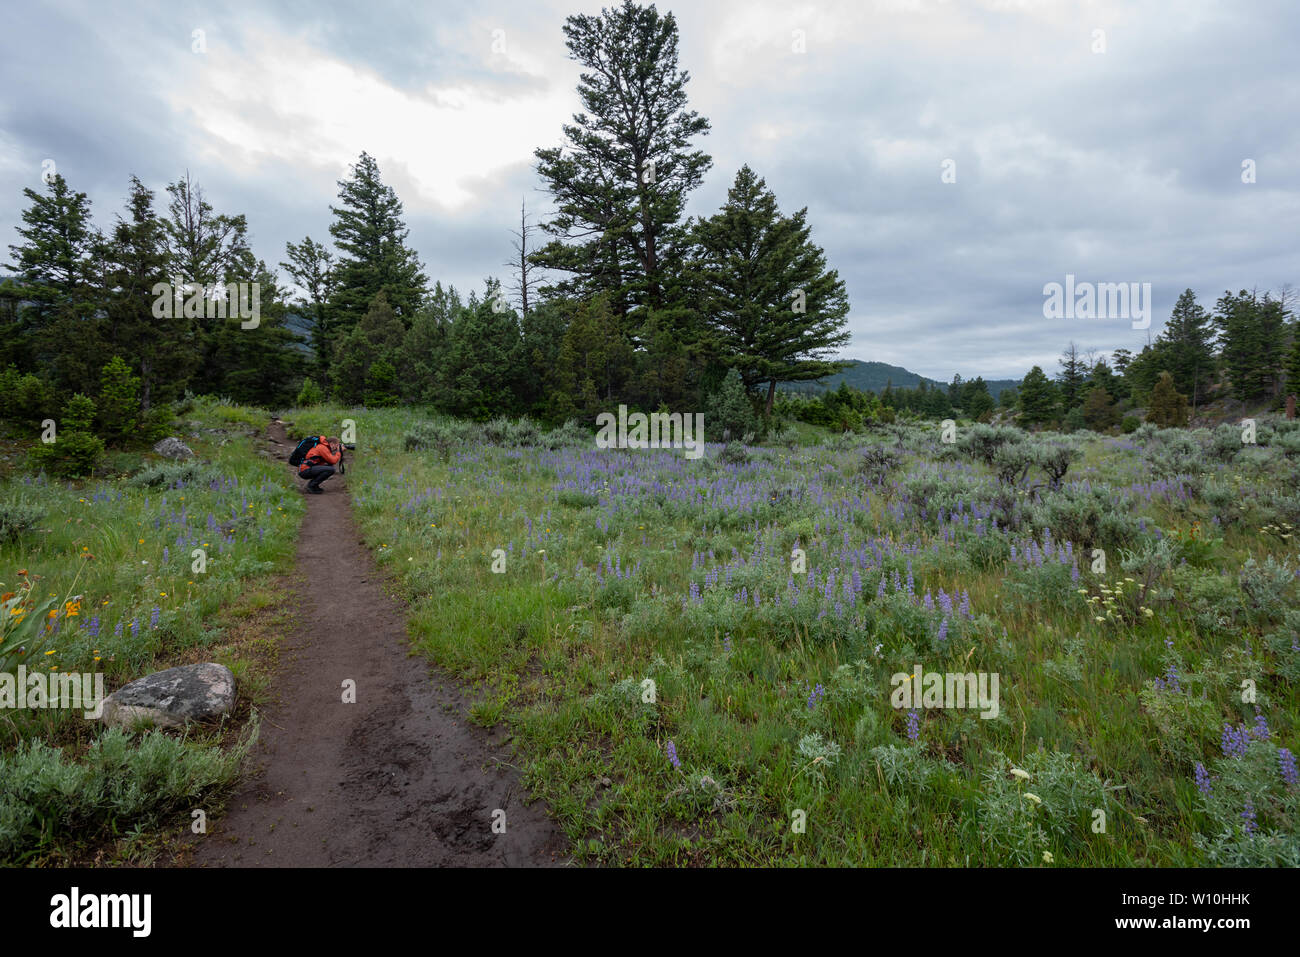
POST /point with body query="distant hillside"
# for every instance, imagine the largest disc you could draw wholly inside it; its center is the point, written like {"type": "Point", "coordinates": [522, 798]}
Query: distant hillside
{"type": "Point", "coordinates": [874, 376]}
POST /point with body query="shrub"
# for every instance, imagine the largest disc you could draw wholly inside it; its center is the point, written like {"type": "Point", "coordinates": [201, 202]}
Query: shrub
{"type": "Point", "coordinates": [1268, 589]}
{"type": "Point", "coordinates": [75, 451]}
{"type": "Point", "coordinates": [1088, 517]}
{"type": "Point", "coordinates": [1252, 811]}
{"type": "Point", "coordinates": [734, 453]}
{"type": "Point", "coordinates": [1018, 828]}
{"type": "Point", "coordinates": [1129, 425]}
{"type": "Point", "coordinates": [729, 412]}
{"type": "Point", "coordinates": [310, 394]}
{"type": "Point", "coordinates": [156, 423]}
{"type": "Point", "coordinates": [177, 475]}
{"type": "Point", "coordinates": [1166, 406]}
{"type": "Point", "coordinates": [503, 431]}
{"type": "Point", "coordinates": [123, 783]}
{"type": "Point", "coordinates": [1012, 462]}
{"type": "Point", "coordinates": [442, 437]}
{"type": "Point", "coordinates": [1225, 442]}
{"type": "Point", "coordinates": [24, 399]}
{"type": "Point", "coordinates": [566, 436]}
{"type": "Point", "coordinates": [983, 441]}
{"type": "Point", "coordinates": [119, 401]}
{"type": "Point", "coordinates": [877, 462]}
{"type": "Point", "coordinates": [1055, 460]}
{"type": "Point", "coordinates": [17, 518]}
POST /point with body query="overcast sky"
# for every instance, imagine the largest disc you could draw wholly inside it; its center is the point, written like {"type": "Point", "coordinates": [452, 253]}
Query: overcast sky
{"type": "Point", "coordinates": [1117, 166]}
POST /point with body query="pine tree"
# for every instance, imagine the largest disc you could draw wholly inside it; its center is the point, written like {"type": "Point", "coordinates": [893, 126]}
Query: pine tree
{"type": "Point", "coordinates": [50, 323]}
{"type": "Point", "coordinates": [263, 365]}
{"type": "Point", "coordinates": [119, 402]}
{"type": "Point", "coordinates": [1292, 365]}
{"type": "Point", "coordinates": [204, 247]}
{"type": "Point", "coordinates": [593, 363]}
{"type": "Point", "coordinates": [1099, 412]}
{"type": "Point", "coordinates": [1184, 348]}
{"type": "Point", "coordinates": [1072, 379]}
{"type": "Point", "coordinates": [975, 399]}
{"type": "Point", "coordinates": [1167, 407]}
{"type": "Point", "coordinates": [163, 348]}
{"type": "Point", "coordinates": [379, 335]}
{"type": "Point", "coordinates": [1251, 332]}
{"type": "Point", "coordinates": [774, 311]}
{"type": "Point", "coordinates": [543, 331]}
{"type": "Point", "coordinates": [730, 412]}
{"type": "Point", "coordinates": [1037, 397]}
{"type": "Point", "coordinates": [620, 183]}
{"type": "Point", "coordinates": [311, 268]}
{"type": "Point", "coordinates": [373, 255]}
{"type": "Point", "coordinates": [425, 346]}
{"type": "Point", "coordinates": [481, 377]}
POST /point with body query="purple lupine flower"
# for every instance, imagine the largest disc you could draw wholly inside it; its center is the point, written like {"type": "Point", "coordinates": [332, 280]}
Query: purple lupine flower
{"type": "Point", "coordinates": [94, 627]}
{"type": "Point", "coordinates": [1260, 731]}
{"type": "Point", "coordinates": [913, 725]}
{"type": "Point", "coordinates": [943, 631]}
{"type": "Point", "coordinates": [814, 699]}
{"type": "Point", "coordinates": [1234, 741]}
{"type": "Point", "coordinates": [153, 618]}
{"type": "Point", "coordinates": [1202, 779]}
{"type": "Point", "coordinates": [117, 632]}
{"type": "Point", "coordinates": [672, 755]}
{"type": "Point", "coordinates": [880, 592]}
{"type": "Point", "coordinates": [135, 627]}
{"type": "Point", "coordinates": [726, 643]}
{"type": "Point", "coordinates": [1286, 764]}
{"type": "Point", "coordinates": [1248, 815]}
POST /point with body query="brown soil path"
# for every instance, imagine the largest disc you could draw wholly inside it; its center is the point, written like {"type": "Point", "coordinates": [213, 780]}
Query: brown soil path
{"type": "Point", "coordinates": [396, 779]}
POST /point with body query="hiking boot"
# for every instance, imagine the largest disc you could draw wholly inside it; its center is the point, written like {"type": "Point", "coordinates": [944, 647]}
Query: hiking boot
{"type": "Point", "coordinates": [315, 491]}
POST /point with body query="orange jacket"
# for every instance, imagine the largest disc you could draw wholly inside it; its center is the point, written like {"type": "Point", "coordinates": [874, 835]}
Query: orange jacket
{"type": "Point", "coordinates": [323, 456]}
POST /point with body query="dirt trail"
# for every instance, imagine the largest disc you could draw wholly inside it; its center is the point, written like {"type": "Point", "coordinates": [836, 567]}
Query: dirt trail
{"type": "Point", "coordinates": [396, 779]}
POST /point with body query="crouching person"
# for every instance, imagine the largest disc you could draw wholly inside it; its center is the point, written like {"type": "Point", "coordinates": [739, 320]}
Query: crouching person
{"type": "Point", "coordinates": [318, 464]}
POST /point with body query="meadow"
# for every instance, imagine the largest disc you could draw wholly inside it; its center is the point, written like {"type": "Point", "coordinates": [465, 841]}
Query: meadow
{"type": "Point", "coordinates": [124, 575]}
{"type": "Point", "coordinates": [695, 658]}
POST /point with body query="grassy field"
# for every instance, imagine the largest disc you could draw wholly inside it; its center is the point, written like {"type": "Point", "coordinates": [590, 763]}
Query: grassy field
{"type": "Point", "coordinates": [697, 660]}
{"type": "Point", "coordinates": [103, 576]}
{"type": "Point", "coordinates": [682, 693]}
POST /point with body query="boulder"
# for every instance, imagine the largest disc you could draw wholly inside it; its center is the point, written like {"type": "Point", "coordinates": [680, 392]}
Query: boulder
{"type": "Point", "coordinates": [173, 448]}
{"type": "Point", "coordinates": [168, 699]}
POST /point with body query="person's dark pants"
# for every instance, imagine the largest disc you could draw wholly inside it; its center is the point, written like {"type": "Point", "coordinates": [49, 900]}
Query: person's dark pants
{"type": "Point", "coordinates": [315, 475]}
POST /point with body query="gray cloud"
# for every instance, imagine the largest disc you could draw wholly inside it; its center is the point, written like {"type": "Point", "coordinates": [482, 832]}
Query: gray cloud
{"type": "Point", "coordinates": [1115, 166]}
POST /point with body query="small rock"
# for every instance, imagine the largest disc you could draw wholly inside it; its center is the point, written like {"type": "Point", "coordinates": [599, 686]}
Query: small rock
{"type": "Point", "coordinates": [170, 698]}
{"type": "Point", "coordinates": [173, 448]}
{"type": "Point", "coordinates": [605, 782]}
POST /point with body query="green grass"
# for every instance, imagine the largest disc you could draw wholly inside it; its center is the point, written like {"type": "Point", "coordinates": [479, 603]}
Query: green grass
{"type": "Point", "coordinates": [113, 558]}
{"type": "Point", "coordinates": [546, 647]}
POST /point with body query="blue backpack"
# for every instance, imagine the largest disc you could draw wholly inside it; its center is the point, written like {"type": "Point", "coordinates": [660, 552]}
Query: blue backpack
{"type": "Point", "coordinates": [300, 451]}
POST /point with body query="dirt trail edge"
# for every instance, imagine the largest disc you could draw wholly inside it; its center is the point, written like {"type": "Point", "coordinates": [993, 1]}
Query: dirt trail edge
{"type": "Point", "coordinates": [396, 779]}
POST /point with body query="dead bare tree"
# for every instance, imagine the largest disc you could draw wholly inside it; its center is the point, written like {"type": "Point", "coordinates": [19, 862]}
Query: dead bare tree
{"type": "Point", "coordinates": [523, 271]}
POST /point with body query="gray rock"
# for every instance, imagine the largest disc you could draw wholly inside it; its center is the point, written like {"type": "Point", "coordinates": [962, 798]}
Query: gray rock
{"type": "Point", "coordinates": [168, 699]}
{"type": "Point", "coordinates": [173, 448]}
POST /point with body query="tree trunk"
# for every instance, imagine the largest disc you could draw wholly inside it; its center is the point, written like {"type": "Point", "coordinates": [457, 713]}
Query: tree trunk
{"type": "Point", "coordinates": [771, 396]}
